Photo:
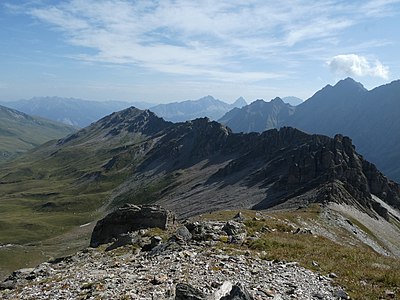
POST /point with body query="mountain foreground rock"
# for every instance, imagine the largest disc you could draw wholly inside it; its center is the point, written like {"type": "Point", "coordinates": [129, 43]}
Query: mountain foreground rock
{"type": "Point", "coordinates": [193, 268]}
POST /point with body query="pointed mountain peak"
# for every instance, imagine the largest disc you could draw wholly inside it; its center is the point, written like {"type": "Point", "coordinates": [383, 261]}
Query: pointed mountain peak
{"type": "Point", "coordinates": [128, 117]}
{"type": "Point", "coordinates": [129, 121]}
{"type": "Point", "coordinates": [343, 88]}
{"type": "Point", "coordinates": [277, 100]}
{"type": "Point", "coordinates": [207, 98]}
{"type": "Point", "coordinates": [349, 83]}
{"type": "Point", "coordinates": [240, 102]}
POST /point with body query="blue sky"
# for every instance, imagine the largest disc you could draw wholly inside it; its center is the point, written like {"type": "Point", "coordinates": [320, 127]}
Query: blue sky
{"type": "Point", "coordinates": [162, 51]}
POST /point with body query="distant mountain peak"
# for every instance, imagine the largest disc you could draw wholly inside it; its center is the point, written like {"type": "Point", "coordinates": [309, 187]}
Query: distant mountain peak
{"type": "Point", "coordinates": [240, 102]}
{"type": "Point", "coordinates": [133, 119]}
{"type": "Point", "coordinates": [207, 98]}
{"type": "Point", "coordinates": [207, 106]}
{"type": "Point", "coordinates": [277, 100]}
{"type": "Point", "coordinates": [349, 83]}
{"type": "Point", "coordinates": [292, 100]}
{"type": "Point", "coordinates": [127, 122]}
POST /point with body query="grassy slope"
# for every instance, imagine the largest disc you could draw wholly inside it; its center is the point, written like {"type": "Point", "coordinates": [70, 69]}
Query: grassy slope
{"type": "Point", "coordinates": [43, 200]}
{"type": "Point", "coordinates": [51, 191]}
{"type": "Point", "coordinates": [20, 132]}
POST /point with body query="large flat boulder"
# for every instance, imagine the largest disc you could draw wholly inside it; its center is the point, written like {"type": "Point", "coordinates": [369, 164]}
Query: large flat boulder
{"type": "Point", "coordinates": [128, 218]}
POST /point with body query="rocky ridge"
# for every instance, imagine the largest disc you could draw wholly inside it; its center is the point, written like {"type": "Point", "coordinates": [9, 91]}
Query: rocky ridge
{"type": "Point", "coordinates": [346, 108]}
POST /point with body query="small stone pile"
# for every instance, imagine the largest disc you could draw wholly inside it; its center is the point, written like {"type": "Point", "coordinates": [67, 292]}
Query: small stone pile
{"type": "Point", "coordinates": [188, 264]}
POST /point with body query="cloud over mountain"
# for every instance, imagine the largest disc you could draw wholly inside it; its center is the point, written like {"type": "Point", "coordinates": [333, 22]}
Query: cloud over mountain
{"type": "Point", "coordinates": [356, 65]}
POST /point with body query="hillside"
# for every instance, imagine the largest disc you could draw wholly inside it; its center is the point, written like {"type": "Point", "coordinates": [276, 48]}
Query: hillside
{"type": "Point", "coordinates": [346, 108]}
{"type": "Point", "coordinates": [192, 109]}
{"type": "Point", "coordinates": [20, 132]}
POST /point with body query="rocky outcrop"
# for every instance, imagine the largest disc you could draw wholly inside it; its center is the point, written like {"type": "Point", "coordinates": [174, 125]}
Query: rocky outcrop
{"type": "Point", "coordinates": [185, 291]}
{"type": "Point", "coordinates": [128, 218]}
{"type": "Point", "coordinates": [227, 291]}
{"type": "Point", "coordinates": [191, 269]}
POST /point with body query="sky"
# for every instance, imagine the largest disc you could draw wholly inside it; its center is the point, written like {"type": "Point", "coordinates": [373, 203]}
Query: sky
{"type": "Point", "coordinates": [164, 51]}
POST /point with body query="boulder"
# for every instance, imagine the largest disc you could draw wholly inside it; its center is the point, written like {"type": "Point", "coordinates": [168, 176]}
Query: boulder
{"type": "Point", "coordinates": [155, 241]}
{"type": "Point", "coordinates": [124, 239]}
{"type": "Point", "coordinates": [128, 218]}
{"type": "Point", "coordinates": [238, 292]}
{"type": "Point", "coordinates": [233, 228]}
{"type": "Point", "coordinates": [182, 235]}
{"type": "Point", "coordinates": [185, 291]}
{"type": "Point", "coordinates": [236, 231]}
{"type": "Point", "coordinates": [8, 285]}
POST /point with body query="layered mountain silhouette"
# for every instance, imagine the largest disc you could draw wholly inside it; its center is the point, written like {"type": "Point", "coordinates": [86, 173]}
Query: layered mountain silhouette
{"type": "Point", "coordinates": [258, 116]}
{"type": "Point", "coordinates": [191, 109]}
{"type": "Point", "coordinates": [20, 132]}
{"type": "Point", "coordinates": [370, 118]}
{"type": "Point", "coordinates": [201, 165]}
{"type": "Point", "coordinates": [71, 111]}
{"type": "Point", "coordinates": [294, 101]}
{"type": "Point", "coordinates": [81, 113]}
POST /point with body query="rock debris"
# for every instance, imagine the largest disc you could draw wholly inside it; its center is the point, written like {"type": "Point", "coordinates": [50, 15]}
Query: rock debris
{"type": "Point", "coordinates": [202, 265]}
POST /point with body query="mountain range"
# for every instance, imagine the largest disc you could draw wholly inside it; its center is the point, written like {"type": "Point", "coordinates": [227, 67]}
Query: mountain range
{"type": "Point", "coordinates": [70, 111]}
{"type": "Point", "coordinates": [20, 132]}
{"type": "Point", "coordinates": [370, 118]}
{"type": "Point", "coordinates": [51, 196]}
{"type": "Point", "coordinates": [192, 168]}
{"type": "Point", "coordinates": [258, 116]}
{"type": "Point", "coordinates": [81, 113]}
{"type": "Point", "coordinates": [192, 109]}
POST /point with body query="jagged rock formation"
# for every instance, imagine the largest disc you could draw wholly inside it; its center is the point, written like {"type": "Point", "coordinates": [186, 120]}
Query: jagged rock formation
{"type": "Point", "coordinates": [346, 108]}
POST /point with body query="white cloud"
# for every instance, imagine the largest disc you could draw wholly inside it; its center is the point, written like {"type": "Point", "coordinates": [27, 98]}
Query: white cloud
{"type": "Point", "coordinates": [214, 39]}
{"type": "Point", "coordinates": [379, 8]}
{"type": "Point", "coordinates": [356, 65]}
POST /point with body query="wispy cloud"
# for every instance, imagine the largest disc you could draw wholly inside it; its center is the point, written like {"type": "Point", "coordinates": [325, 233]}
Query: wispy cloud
{"type": "Point", "coordinates": [214, 39]}
{"type": "Point", "coordinates": [355, 65]}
